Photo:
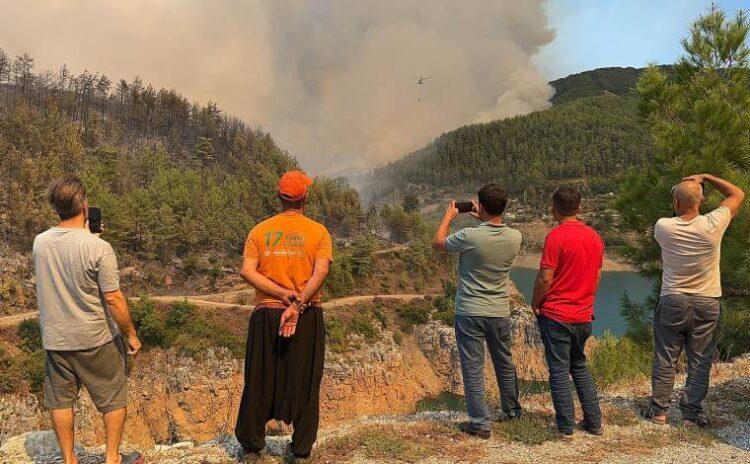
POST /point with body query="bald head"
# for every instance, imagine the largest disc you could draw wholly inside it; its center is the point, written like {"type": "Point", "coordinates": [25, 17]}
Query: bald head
{"type": "Point", "coordinates": [688, 195]}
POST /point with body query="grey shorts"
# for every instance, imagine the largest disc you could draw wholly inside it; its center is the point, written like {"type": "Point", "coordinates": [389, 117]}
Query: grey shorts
{"type": "Point", "coordinates": [102, 370]}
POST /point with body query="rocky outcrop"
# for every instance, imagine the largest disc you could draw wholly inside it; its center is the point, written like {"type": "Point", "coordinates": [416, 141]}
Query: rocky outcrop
{"type": "Point", "coordinates": [20, 413]}
{"type": "Point", "coordinates": [383, 378]}
{"type": "Point", "coordinates": [438, 343]}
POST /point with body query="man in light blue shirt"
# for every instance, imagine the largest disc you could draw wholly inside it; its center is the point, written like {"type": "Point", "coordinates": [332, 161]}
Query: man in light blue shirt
{"type": "Point", "coordinates": [486, 253]}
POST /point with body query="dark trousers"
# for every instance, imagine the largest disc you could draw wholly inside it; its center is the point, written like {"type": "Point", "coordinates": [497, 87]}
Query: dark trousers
{"type": "Point", "coordinates": [563, 348]}
{"type": "Point", "coordinates": [684, 321]}
{"type": "Point", "coordinates": [471, 334]}
{"type": "Point", "coordinates": [282, 379]}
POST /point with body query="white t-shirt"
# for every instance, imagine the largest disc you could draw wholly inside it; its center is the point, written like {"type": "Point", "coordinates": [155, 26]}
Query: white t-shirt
{"type": "Point", "coordinates": [690, 251]}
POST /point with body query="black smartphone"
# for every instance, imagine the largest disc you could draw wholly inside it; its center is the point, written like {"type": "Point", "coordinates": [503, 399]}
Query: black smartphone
{"type": "Point", "coordinates": [465, 206]}
{"type": "Point", "coordinates": [95, 219]}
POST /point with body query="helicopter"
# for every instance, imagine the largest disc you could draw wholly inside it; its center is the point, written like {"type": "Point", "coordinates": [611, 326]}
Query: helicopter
{"type": "Point", "coordinates": [421, 79]}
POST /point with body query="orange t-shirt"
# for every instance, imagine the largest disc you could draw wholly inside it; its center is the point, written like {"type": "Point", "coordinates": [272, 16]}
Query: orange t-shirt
{"type": "Point", "coordinates": [286, 247]}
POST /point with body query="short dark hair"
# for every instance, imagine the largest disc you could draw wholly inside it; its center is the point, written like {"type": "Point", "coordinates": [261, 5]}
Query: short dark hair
{"type": "Point", "coordinates": [67, 196]}
{"type": "Point", "coordinates": [286, 204]}
{"type": "Point", "coordinates": [566, 201]}
{"type": "Point", "coordinates": [493, 199]}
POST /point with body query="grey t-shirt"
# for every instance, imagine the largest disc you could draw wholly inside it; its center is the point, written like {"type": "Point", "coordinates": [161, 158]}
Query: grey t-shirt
{"type": "Point", "coordinates": [486, 253]}
{"type": "Point", "coordinates": [73, 269]}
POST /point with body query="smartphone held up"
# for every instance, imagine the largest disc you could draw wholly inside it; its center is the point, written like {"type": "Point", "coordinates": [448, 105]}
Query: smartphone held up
{"type": "Point", "coordinates": [464, 206]}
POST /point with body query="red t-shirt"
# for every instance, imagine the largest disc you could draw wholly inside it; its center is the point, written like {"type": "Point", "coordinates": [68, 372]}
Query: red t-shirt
{"type": "Point", "coordinates": [574, 251]}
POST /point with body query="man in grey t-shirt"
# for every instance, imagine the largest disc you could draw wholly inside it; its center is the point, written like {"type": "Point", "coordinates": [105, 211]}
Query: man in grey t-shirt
{"type": "Point", "coordinates": [81, 314]}
{"type": "Point", "coordinates": [486, 253]}
{"type": "Point", "coordinates": [687, 315]}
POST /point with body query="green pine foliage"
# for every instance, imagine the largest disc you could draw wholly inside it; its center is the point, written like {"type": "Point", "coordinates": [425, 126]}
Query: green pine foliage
{"type": "Point", "coordinates": [699, 116]}
{"type": "Point", "coordinates": [595, 138]}
{"type": "Point", "coordinates": [182, 327]}
{"type": "Point", "coordinates": [617, 359]}
{"type": "Point", "coordinates": [170, 175]}
{"type": "Point", "coordinates": [698, 113]}
{"type": "Point", "coordinates": [601, 81]}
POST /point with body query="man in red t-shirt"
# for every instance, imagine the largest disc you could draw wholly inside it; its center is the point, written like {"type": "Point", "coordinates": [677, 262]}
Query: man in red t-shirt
{"type": "Point", "coordinates": [564, 304]}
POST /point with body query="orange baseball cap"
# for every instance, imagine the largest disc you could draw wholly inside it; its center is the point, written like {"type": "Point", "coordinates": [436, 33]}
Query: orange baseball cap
{"type": "Point", "coordinates": [293, 185]}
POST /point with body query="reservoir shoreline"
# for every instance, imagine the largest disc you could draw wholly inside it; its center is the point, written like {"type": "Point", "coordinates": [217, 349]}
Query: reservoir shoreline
{"type": "Point", "coordinates": [530, 259]}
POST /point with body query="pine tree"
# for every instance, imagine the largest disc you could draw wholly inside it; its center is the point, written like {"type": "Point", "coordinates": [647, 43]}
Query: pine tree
{"type": "Point", "coordinates": [699, 115]}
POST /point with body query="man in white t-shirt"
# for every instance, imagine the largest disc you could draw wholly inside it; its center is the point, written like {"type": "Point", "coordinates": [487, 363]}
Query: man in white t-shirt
{"type": "Point", "coordinates": [688, 311]}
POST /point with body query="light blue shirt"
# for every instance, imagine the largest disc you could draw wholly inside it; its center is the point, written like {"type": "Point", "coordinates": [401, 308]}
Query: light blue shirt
{"type": "Point", "coordinates": [486, 253]}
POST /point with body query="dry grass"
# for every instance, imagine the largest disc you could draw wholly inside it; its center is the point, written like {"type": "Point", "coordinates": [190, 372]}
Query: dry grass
{"type": "Point", "coordinates": [621, 417]}
{"type": "Point", "coordinates": [532, 428]}
{"type": "Point", "coordinates": [400, 443]}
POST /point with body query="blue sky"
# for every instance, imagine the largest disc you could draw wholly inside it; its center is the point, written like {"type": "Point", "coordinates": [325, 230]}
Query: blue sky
{"type": "Point", "coordinates": [597, 33]}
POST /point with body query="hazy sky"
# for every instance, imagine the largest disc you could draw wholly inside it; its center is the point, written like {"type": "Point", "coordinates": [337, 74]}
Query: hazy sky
{"type": "Point", "coordinates": [335, 81]}
{"type": "Point", "coordinates": [597, 33]}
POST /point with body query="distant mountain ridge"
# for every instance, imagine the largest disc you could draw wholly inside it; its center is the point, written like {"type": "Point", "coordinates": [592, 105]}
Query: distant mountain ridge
{"type": "Point", "coordinates": [614, 80]}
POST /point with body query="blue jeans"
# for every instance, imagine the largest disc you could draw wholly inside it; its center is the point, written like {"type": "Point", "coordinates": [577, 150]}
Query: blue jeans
{"type": "Point", "coordinates": [563, 348]}
{"type": "Point", "coordinates": [471, 334]}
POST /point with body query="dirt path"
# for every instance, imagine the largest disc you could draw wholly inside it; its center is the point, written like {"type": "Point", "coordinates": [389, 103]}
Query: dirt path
{"type": "Point", "coordinates": [204, 301]}
{"type": "Point", "coordinates": [15, 319]}
{"type": "Point", "coordinates": [394, 248]}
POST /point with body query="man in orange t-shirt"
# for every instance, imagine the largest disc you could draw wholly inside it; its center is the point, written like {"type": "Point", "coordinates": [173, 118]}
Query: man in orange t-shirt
{"type": "Point", "coordinates": [286, 259]}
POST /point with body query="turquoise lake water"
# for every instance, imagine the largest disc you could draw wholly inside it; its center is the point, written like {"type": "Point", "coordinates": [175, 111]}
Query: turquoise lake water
{"type": "Point", "coordinates": [607, 304]}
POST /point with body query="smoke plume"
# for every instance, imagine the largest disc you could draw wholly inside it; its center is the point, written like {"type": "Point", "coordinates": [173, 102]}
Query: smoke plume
{"type": "Point", "coordinates": [334, 81]}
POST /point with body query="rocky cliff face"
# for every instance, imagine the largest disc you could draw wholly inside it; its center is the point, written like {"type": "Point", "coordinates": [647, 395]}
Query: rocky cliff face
{"type": "Point", "coordinates": [175, 398]}
{"type": "Point", "coordinates": [438, 343]}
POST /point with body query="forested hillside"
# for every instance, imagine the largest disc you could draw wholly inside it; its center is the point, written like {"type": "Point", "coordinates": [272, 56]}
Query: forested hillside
{"type": "Point", "coordinates": [180, 185]}
{"type": "Point", "coordinates": [615, 80]}
{"type": "Point", "coordinates": [593, 138]}
{"type": "Point", "coordinates": [171, 175]}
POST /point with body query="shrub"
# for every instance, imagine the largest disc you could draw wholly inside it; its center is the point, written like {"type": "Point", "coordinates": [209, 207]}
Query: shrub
{"type": "Point", "coordinates": [148, 324]}
{"type": "Point", "coordinates": [398, 337]}
{"type": "Point", "coordinates": [734, 328]}
{"type": "Point", "coordinates": [178, 314]}
{"type": "Point", "coordinates": [639, 317]}
{"type": "Point", "coordinates": [8, 382]}
{"type": "Point", "coordinates": [31, 369]}
{"type": "Point", "coordinates": [340, 278]}
{"type": "Point", "coordinates": [22, 370]}
{"type": "Point", "coordinates": [380, 316]}
{"type": "Point", "coordinates": [335, 335]}
{"type": "Point", "coordinates": [447, 317]}
{"type": "Point", "coordinates": [361, 254]}
{"type": "Point", "coordinates": [615, 359]}
{"type": "Point", "coordinates": [198, 335]}
{"type": "Point", "coordinates": [31, 335]}
{"type": "Point", "coordinates": [362, 324]}
{"type": "Point", "coordinates": [191, 264]}
{"type": "Point", "coordinates": [412, 315]}
{"type": "Point", "coordinates": [446, 305]}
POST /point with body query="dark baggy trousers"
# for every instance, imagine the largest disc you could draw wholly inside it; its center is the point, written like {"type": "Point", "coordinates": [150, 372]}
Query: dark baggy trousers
{"type": "Point", "coordinates": [684, 321]}
{"type": "Point", "coordinates": [564, 349]}
{"type": "Point", "coordinates": [471, 334]}
{"type": "Point", "coordinates": [282, 379]}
